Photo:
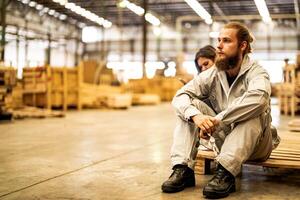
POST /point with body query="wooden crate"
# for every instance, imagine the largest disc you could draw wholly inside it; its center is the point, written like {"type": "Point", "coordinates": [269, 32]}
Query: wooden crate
{"type": "Point", "coordinates": [8, 79]}
{"type": "Point", "coordinates": [95, 96]}
{"type": "Point", "coordinates": [145, 99]}
{"type": "Point", "coordinates": [294, 125]}
{"type": "Point", "coordinates": [119, 101]}
{"type": "Point", "coordinates": [51, 87]}
{"type": "Point", "coordinates": [8, 76]}
{"type": "Point", "coordinates": [289, 91]}
{"type": "Point", "coordinates": [166, 88]}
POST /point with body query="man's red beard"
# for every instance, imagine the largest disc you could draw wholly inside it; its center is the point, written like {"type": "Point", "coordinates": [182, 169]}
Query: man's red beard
{"type": "Point", "coordinates": [228, 62]}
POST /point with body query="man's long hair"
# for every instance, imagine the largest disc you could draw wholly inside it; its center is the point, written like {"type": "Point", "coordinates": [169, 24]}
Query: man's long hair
{"type": "Point", "coordinates": [243, 34]}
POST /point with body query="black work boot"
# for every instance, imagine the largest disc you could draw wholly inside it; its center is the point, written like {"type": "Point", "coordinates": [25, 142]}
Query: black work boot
{"type": "Point", "coordinates": [220, 185]}
{"type": "Point", "coordinates": [181, 178]}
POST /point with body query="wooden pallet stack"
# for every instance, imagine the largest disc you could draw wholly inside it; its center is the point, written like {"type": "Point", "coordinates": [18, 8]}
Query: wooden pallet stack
{"type": "Point", "coordinates": [51, 87]}
{"type": "Point", "coordinates": [8, 80]}
{"type": "Point", "coordinates": [144, 91]}
{"type": "Point", "coordinates": [155, 90]}
{"type": "Point", "coordinates": [105, 96]}
{"type": "Point", "coordinates": [289, 91]}
{"type": "Point", "coordinates": [169, 88]}
{"type": "Point", "coordinates": [294, 125]}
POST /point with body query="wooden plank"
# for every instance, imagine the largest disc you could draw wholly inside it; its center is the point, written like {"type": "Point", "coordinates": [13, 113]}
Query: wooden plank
{"type": "Point", "coordinates": [284, 158]}
{"type": "Point", "coordinates": [278, 158]}
{"type": "Point", "coordinates": [277, 163]}
{"type": "Point", "coordinates": [206, 154]}
{"type": "Point", "coordinates": [287, 150]}
{"type": "Point", "coordinates": [286, 154]}
{"type": "Point", "coordinates": [33, 112]}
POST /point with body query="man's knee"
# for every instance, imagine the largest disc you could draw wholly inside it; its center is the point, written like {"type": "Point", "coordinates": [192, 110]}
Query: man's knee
{"type": "Point", "coordinates": [253, 125]}
{"type": "Point", "coordinates": [203, 107]}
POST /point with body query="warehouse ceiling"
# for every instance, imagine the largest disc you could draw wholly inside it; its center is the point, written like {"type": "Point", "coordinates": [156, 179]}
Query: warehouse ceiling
{"type": "Point", "coordinates": [169, 10]}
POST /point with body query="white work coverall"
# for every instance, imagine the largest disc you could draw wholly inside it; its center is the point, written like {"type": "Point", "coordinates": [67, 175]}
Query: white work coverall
{"type": "Point", "coordinates": [243, 110]}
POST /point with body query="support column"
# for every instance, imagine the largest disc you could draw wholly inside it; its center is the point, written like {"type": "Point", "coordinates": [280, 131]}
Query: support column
{"type": "Point", "coordinates": [145, 5]}
{"type": "Point", "coordinates": [296, 3]}
{"type": "Point", "coordinates": [120, 24]}
{"type": "Point", "coordinates": [76, 51]}
{"type": "Point", "coordinates": [269, 40]}
{"type": "Point", "coordinates": [132, 48]}
{"type": "Point", "coordinates": [102, 47]}
{"type": "Point", "coordinates": [19, 69]}
{"type": "Point", "coordinates": [26, 45]}
{"type": "Point", "coordinates": [158, 44]}
{"type": "Point", "coordinates": [3, 5]}
{"type": "Point", "coordinates": [48, 50]}
{"type": "Point", "coordinates": [66, 51]}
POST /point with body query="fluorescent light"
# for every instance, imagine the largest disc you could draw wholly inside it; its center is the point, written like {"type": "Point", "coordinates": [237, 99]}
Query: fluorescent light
{"type": "Point", "coordinates": [87, 14]}
{"type": "Point", "coordinates": [263, 10]}
{"type": "Point", "coordinates": [152, 19]}
{"type": "Point", "coordinates": [51, 12]}
{"type": "Point", "coordinates": [62, 17]}
{"type": "Point", "coordinates": [32, 3]}
{"type": "Point", "coordinates": [45, 10]}
{"type": "Point", "coordinates": [81, 25]}
{"type": "Point", "coordinates": [198, 8]}
{"type": "Point", "coordinates": [123, 4]}
{"type": "Point", "coordinates": [136, 9]}
{"type": "Point", "coordinates": [25, 1]}
{"type": "Point", "coordinates": [39, 7]}
{"type": "Point", "coordinates": [140, 11]}
{"type": "Point", "coordinates": [61, 2]}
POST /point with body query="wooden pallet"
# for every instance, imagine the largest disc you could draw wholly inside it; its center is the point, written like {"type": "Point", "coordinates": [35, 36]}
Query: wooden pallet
{"type": "Point", "coordinates": [294, 125]}
{"type": "Point", "coordinates": [280, 158]}
{"type": "Point", "coordinates": [122, 101]}
{"type": "Point", "coordinates": [145, 99]}
{"type": "Point", "coordinates": [8, 79]}
{"type": "Point", "coordinates": [33, 112]}
{"type": "Point", "coordinates": [164, 87]}
{"type": "Point", "coordinates": [289, 91]}
{"type": "Point", "coordinates": [52, 87]}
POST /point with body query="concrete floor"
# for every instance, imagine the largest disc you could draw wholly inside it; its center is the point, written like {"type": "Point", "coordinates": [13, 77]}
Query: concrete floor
{"type": "Point", "coordinates": [118, 154]}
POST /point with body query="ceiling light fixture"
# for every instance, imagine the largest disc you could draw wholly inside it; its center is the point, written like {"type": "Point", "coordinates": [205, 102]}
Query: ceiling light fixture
{"type": "Point", "coordinates": [39, 7]}
{"type": "Point", "coordinates": [198, 8]}
{"type": "Point", "coordinates": [140, 11]}
{"type": "Point", "coordinates": [263, 10]}
{"type": "Point", "coordinates": [32, 4]}
{"type": "Point", "coordinates": [84, 13]}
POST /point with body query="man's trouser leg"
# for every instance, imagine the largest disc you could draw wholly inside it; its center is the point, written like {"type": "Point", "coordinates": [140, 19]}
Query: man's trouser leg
{"type": "Point", "coordinates": [247, 141]}
{"type": "Point", "coordinates": [184, 149]}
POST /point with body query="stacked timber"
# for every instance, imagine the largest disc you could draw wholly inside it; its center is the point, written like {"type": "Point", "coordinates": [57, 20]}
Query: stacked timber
{"type": "Point", "coordinates": [33, 112]}
{"type": "Point", "coordinates": [8, 80]}
{"type": "Point", "coordinates": [52, 87]}
{"type": "Point", "coordinates": [122, 101]}
{"type": "Point", "coordinates": [96, 72]}
{"type": "Point", "coordinates": [163, 87]}
{"type": "Point", "coordinates": [294, 125]}
{"type": "Point", "coordinates": [145, 99]}
{"type": "Point", "coordinates": [169, 88]}
{"type": "Point", "coordinates": [289, 91]}
{"type": "Point", "coordinates": [104, 96]}
{"type": "Point", "coordinates": [17, 96]}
